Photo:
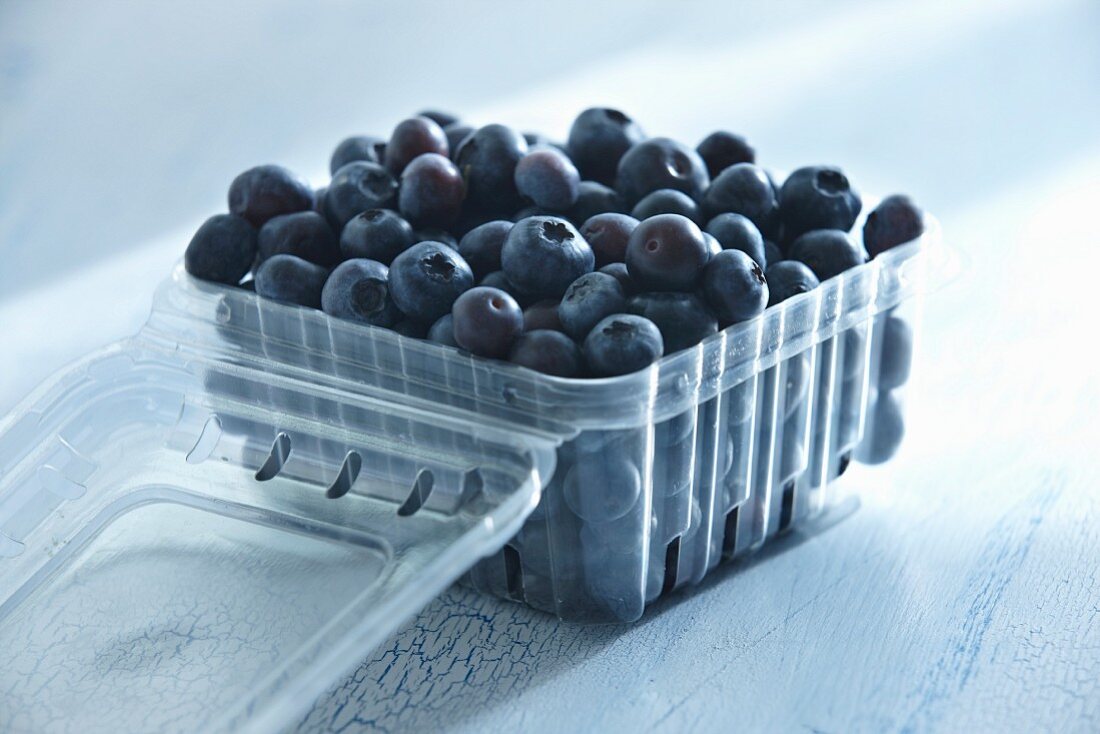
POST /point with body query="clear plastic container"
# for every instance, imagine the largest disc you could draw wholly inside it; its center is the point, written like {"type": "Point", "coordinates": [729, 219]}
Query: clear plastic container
{"type": "Point", "coordinates": [203, 527]}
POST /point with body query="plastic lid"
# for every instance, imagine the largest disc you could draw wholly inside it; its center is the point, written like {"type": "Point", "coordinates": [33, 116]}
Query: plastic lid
{"type": "Point", "coordinates": [191, 544]}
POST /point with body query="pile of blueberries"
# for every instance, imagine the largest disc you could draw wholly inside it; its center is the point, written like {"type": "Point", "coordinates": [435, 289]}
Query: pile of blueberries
{"type": "Point", "coordinates": [591, 258]}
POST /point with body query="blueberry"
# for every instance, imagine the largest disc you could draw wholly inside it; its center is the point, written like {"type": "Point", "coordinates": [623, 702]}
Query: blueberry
{"type": "Point", "coordinates": [488, 159]}
{"type": "Point", "coordinates": [487, 321]}
{"type": "Point", "coordinates": [426, 279]}
{"type": "Point", "coordinates": [788, 278]}
{"type": "Point", "coordinates": [305, 234]}
{"type": "Point", "coordinates": [621, 344]}
{"type": "Point", "coordinates": [549, 352]}
{"type": "Point", "coordinates": [619, 272]}
{"type": "Point", "coordinates": [608, 234]}
{"type": "Point", "coordinates": [443, 119]}
{"type": "Point", "coordinates": [264, 192]}
{"type": "Point", "coordinates": [598, 139]}
{"type": "Point", "coordinates": [443, 331]}
{"type": "Point", "coordinates": [222, 249]}
{"type": "Point", "coordinates": [411, 328]}
{"type": "Point", "coordinates": [722, 149]}
{"type": "Point", "coordinates": [666, 201]}
{"type": "Point", "coordinates": [543, 255]}
{"type": "Point", "coordinates": [432, 191]}
{"type": "Point", "coordinates": [456, 133]}
{"type": "Point", "coordinates": [319, 201]}
{"type": "Point", "coordinates": [734, 287]}
{"type": "Point", "coordinates": [376, 234]}
{"type": "Point", "coordinates": [498, 279]}
{"type": "Point", "coordinates": [744, 189]}
{"type": "Point", "coordinates": [895, 221]}
{"type": "Point", "coordinates": [682, 318]}
{"type": "Point", "coordinates": [896, 357]}
{"type": "Point", "coordinates": [547, 177]}
{"type": "Point", "coordinates": [827, 252]}
{"type": "Point", "coordinates": [357, 148]}
{"type": "Point", "coordinates": [817, 197]}
{"type": "Point", "coordinates": [737, 232]}
{"type": "Point", "coordinates": [713, 245]}
{"type": "Point", "coordinates": [660, 163]}
{"type": "Point", "coordinates": [481, 246]}
{"type": "Point", "coordinates": [411, 138]}
{"type": "Point", "coordinates": [542, 316]}
{"type": "Point", "coordinates": [602, 491]}
{"type": "Point", "coordinates": [291, 279]}
{"type": "Point", "coordinates": [887, 429]}
{"type": "Point", "coordinates": [356, 187]}
{"type": "Point", "coordinates": [772, 254]}
{"type": "Point", "coordinates": [588, 300]}
{"type": "Point", "coordinates": [667, 253]}
{"type": "Point", "coordinates": [437, 235]}
{"type": "Point", "coordinates": [359, 290]}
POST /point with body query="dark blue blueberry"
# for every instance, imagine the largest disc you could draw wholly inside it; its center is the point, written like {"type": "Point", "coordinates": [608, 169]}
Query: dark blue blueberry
{"type": "Point", "coordinates": [549, 352]}
{"type": "Point", "coordinates": [597, 141]}
{"type": "Point", "coordinates": [264, 192]}
{"type": "Point", "coordinates": [222, 249]}
{"type": "Point", "coordinates": [621, 344]}
{"type": "Point", "coordinates": [547, 177]}
{"type": "Point", "coordinates": [426, 279]}
{"type": "Point", "coordinates": [660, 163]}
{"type": "Point", "coordinates": [682, 318]}
{"type": "Point", "coordinates": [376, 234]}
{"type": "Point", "coordinates": [455, 135]}
{"type": "Point", "coordinates": [896, 358]}
{"type": "Point", "coordinates": [487, 322]}
{"type": "Point", "coordinates": [666, 201]}
{"type": "Point", "coordinates": [722, 149]}
{"type": "Point", "coordinates": [541, 316]}
{"type": "Point", "coordinates": [734, 287]}
{"type": "Point", "coordinates": [319, 201]}
{"type": "Point", "coordinates": [619, 272]}
{"type": "Point", "coordinates": [439, 117]}
{"type": "Point", "coordinates": [411, 138]}
{"type": "Point", "coordinates": [411, 328]}
{"type": "Point", "coordinates": [737, 232]}
{"type": "Point", "coordinates": [488, 161]}
{"type": "Point", "coordinates": [887, 429]}
{"type": "Point", "coordinates": [543, 255]}
{"type": "Point", "coordinates": [744, 189]}
{"type": "Point", "coordinates": [357, 148]}
{"type": "Point", "coordinates": [827, 252]}
{"type": "Point", "coordinates": [713, 245]}
{"type": "Point", "coordinates": [443, 331]}
{"type": "Point", "coordinates": [356, 187]}
{"type": "Point", "coordinates": [305, 234]}
{"type": "Point", "coordinates": [497, 279]}
{"type": "Point", "coordinates": [588, 300]}
{"type": "Point", "coordinates": [772, 254]}
{"type": "Point", "coordinates": [594, 198]}
{"type": "Point", "coordinates": [608, 234]}
{"type": "Point", "coordinates": [436, 235]}
{"type": "Point", "coordinates": [602, 491]}
{"type": "Point", "coordinates": [817, 197]}
{"type": "Point", "coordinates": [291, 279]}
{"type": "Point", "coordinates": [481, 246]}
{"type": "Point", "coordinates": [432, 191]}
{"type": "Point", "coordinates": [895, 221]}
{"type": "Point", "coordinates": [359, 290]}
{"type": "Point", "coordinates": [788, 278]}
{"type": "Point", "coordinates": [667, 253]}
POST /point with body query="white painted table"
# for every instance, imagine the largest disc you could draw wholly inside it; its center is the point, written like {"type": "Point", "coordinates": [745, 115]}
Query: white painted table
{"type": "Point", "coordinates": [956, 589]}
